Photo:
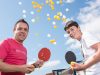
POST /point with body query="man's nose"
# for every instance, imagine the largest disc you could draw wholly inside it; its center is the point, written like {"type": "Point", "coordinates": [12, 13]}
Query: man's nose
{"type": "Point", "coordinates": [71, 34]}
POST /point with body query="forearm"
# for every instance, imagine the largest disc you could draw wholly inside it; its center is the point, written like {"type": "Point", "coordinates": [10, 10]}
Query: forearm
{"type": "Point", "coordinates": [92, 60]}
{"type": "Point", "coordinates": [9, 68]}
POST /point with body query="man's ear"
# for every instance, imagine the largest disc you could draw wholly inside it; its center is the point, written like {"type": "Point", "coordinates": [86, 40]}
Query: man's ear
{"type": "Point", "coordinates": [78, 27]}
{"type": "Point", "coordinates": [13, 29]}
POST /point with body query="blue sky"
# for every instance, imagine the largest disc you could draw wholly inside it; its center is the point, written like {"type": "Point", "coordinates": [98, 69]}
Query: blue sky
{"type": "Point", "coordinates": [85, 12]}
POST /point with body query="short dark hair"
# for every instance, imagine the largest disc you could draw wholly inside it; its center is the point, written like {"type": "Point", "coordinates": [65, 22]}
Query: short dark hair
{"type": "Point", "coordinates": [70, 24]}
{"type": "Point", "coordinates": [21, 20]}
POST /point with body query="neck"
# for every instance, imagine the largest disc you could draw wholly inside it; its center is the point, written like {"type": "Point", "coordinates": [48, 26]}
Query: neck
{"type": "Point", "coordinates": [80, 36]}
{"type": "Point", "coordinates": [19, 41]}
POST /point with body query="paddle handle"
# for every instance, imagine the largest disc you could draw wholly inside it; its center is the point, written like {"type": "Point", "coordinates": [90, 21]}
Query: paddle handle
{"type": "Point", "coordinates": [35, 65]}
{"type": "Point", "coordinates": [74, 72]}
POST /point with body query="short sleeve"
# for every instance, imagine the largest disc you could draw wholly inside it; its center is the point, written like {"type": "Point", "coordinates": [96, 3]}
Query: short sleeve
{"type": "Point", "coordinates": [4, 48]}
{"type": "Point", "coordinates": [90, 39]}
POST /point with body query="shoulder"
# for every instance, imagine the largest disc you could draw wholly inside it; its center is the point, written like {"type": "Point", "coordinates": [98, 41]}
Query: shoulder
{"type": "Point", "coordinates": [90, 38]}
{"type": "Point", "coordinates": [5, 41]}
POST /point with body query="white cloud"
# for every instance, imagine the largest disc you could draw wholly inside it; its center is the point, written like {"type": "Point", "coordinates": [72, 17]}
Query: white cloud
{"type": "Point", "coordinates": [48, 63]}
{"type": "Point", "coordinates": [89, 17]}
{"type": "Point", "coordinates": [72, 44]}
{"type": "Point", "coordinates": [75, 45]}
{"type": "Point", "coordinates": [69, 41]}
{"type": "Point", "coordinates": [66, 35]}
{"type": "Point", "coordinates": [51, 63]}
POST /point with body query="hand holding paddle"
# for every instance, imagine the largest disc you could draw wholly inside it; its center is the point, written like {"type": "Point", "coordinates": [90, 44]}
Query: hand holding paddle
{"type": "Point", "coordinates": [71, 59]}
{"type": "Point", "coordinates": [38, 63]}
{"type": "Point", "coordinates": [43, 55]}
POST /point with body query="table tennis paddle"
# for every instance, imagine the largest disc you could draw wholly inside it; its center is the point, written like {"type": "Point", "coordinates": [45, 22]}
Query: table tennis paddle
{"type": "Point", "coordinates": [70, 57]}
{"type": "Point", "coordinates": [44, 54]}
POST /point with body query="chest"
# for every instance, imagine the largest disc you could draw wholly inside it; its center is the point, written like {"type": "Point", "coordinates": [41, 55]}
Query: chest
{"type": "Point", "coordinates": [88, 51]}
{"type": "Point", "coordinates": [17, 55]}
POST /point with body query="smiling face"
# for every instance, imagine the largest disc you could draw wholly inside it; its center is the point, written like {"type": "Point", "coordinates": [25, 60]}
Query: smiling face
{"type": "Point", "coordinates": [20, 31]}
{"type": "Point", "coordinates": [74, 32]}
